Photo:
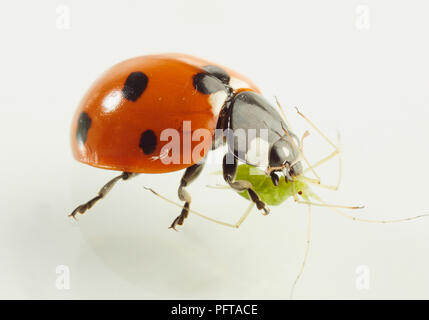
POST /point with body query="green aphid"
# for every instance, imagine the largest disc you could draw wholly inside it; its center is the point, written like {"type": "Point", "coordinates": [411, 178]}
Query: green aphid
{"type": "Point", "coordinates": [267, 191]}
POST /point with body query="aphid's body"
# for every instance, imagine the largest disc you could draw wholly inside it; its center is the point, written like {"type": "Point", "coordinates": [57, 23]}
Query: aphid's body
{"type": "Point", "coordinates": [268, 192]}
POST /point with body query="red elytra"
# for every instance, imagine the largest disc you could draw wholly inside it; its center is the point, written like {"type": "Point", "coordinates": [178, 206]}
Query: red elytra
{"type": "Point", "coordinates": [120, 119]}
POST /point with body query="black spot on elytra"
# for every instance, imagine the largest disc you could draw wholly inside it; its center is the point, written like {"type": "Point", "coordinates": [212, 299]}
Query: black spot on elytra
{"type": "Point", "coordinates": [207, 83]}
{"type": "Point", "coordinates": [148, 142]}
{"type": "Point", "coordinates": [83, 125]}
{"type": "Point", "coordinates": [134, 86]}
{"type": "Point", "coordinates": [218, 72]}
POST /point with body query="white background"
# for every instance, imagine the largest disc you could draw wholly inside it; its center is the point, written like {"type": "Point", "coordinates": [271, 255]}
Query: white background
{"type": "Point", "coordinates": [369, 84]}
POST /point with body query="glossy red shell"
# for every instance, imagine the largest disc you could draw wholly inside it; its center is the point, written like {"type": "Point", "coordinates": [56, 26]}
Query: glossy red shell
{"type": "Point", "coordinates": [114, 125]}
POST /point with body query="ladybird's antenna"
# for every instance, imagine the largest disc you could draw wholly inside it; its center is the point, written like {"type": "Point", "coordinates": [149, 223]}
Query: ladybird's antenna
{"type": "Point", "coordinates": [307, 250]}
{"type": "Point", "coordinates": [226, 224]}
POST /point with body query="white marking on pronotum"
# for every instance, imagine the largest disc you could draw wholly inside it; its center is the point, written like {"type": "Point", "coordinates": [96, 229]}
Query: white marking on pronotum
{"type": "Point", "coordinates": [235, 83]}
{"type": "Point", "coordinates": [112, 101]}
{"type": "Point", "coordinates": [217, 100]}
{"type": "Point", "coordinates": [286, 151]}
{"type": "Point", "coordinates": [257, 152]}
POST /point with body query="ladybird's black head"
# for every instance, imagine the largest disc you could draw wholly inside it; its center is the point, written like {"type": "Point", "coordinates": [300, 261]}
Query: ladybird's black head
{"type": "Point", "coordinates": [284, 157]}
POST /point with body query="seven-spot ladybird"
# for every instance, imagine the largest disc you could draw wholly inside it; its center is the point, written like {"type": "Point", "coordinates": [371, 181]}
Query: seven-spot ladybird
{"type": "Point", "coordinates": [126, 119]}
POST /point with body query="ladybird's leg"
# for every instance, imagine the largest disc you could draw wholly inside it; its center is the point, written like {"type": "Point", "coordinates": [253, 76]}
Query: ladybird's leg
{"type": "Point", "coordinates": [190, 175]}
{"type": "Point", "coordinates": [229, 172]}
{"type": "Point", "coordinates": [102, 193]}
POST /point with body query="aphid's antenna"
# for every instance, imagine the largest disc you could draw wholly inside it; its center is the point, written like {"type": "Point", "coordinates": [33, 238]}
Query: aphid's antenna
{"type": "Point", "coordinates": [375, 220]}
{"type": "Point", "coordinates": [336, 208]}
{"type": "Point", "coordinates": [305, 135]}
{"type": "Point", "coordinates": [293, 142]}
{"type": "Point", "coordinates": [302, 155]}
{"type": "Point", "coordinates": [307, 250]}
{"type": "Point", "coordinates": [316, 128]}
{"type": "Point", "coordinates": [340, 161]}
{"type": "Point", "coordinates": [337, 150]}
{"type": "Point", "coordinates": [226, 224]}
{"type": "Point", "coordinates": [282, 111]}
{"type": "Point", "coordinates": [301, 148]}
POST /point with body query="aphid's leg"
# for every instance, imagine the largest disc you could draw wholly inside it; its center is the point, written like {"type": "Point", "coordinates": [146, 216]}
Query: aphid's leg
{"type": "Point", "coordinates": [316, 182]}
{"type": "Point", "coordinates": [322, 161]}
{"type": "Point", "coordinates": [336, 152]}
{"type": "Point", "coordinates": [190, 175]}
{"type": "Point", "coordinates": [294, 194]}
{"type": "Point", "coordinates": [244, 216]}
{"type": "Point", "coordinates": [229, 172]}
{"type": "Point", "coordinates": [102, 193]}
{"type": "Point", "coordinates": [226, 224]}
{"type": "Point", "coordinates": [307, 250]}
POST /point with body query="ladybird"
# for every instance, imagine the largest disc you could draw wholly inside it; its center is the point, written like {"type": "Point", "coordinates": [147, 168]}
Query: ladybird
{"type": "Point", "coordinates": [128, 118]}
